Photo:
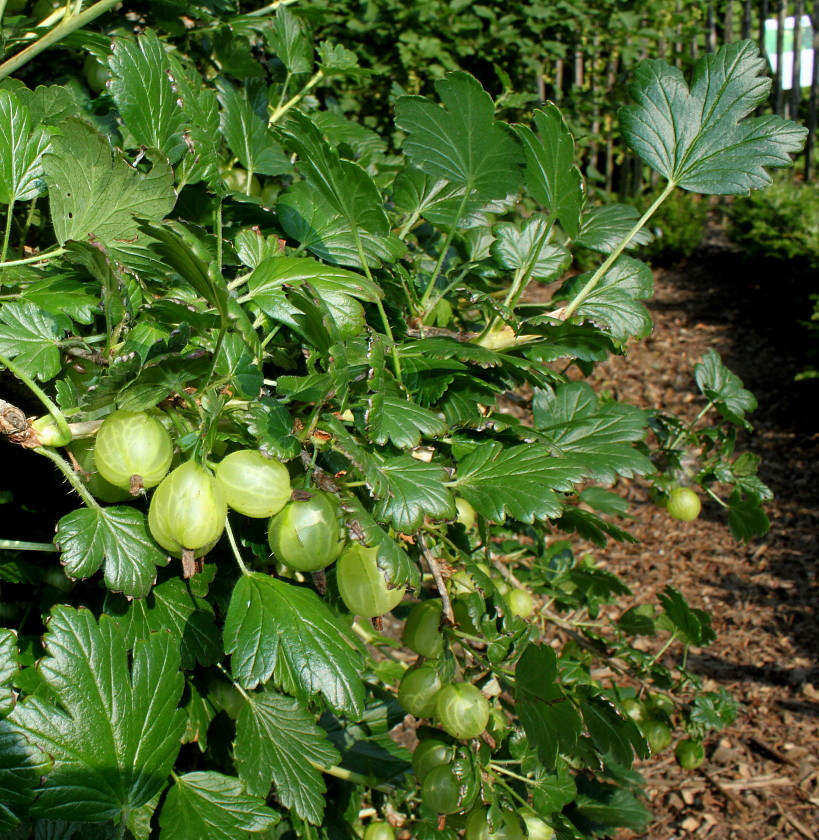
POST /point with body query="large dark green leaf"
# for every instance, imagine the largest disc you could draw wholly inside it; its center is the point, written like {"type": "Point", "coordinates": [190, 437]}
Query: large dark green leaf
{"type": "Point", "coordinates": [700, 138]}
{"type": "Point", "coordinates": [31, 336]}
{"type": "Point", "coordinates": [243, 123]}
{"type": "Point", "coordinates": [171, 605]}
{"type": "Point", "coordinates": [345, 186]}
{"type": "Point", "coordinates": [278, 740]}
{"type": "Point", "coordinates": [116, 537]}
{"type": "Point", "coordinates": [94, 192]}
{"type": "Point", "coordinates": [461, 143]}
{"type": "Point", "coordinates": [519, 481]}
{"type": "Point", "coordinates": [614, 303]}
{"type": "Point", "coordinates": [116, 733]}
{"type": "Point", "coordinates": [601, 436]}
{"type": "Point", "coordinates": [210, 806]}
{"type": "Point", "coordinates": [21, 151]}
{"type": "Point", "coordinates": [274, 628]}
{"type": "Point", "coordinates": [548, 718]}
{"type": "Point", "coordinates": [143, 90]}
{"type": "Point", "coordinates": [552, 177]}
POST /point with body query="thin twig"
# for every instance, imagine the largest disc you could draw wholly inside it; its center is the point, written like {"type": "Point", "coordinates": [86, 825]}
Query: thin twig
{"type": "Point", "coordinates": [794, 823]}
{"type": "Point", "coordinates": [435, 568]}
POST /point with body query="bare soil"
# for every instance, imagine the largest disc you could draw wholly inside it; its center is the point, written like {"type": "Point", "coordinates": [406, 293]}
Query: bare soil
{"type": "Point", "coordinates": [760, 779]}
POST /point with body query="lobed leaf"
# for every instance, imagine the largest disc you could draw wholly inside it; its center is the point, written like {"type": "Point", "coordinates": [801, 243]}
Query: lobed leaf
{"type": "Point", "coordinates": [551, 176]}
{"type": "Point", "coordinates": [277, 739]}
{"type": "Point", "coordinates": [519, 481]}
{"type": "Point", "coordinates": [143, 90]}
{"type": "Point", "coordinates": [572, 421]}
{"type": "Point", "coordinates": [116, 538]}
{"type": "Point", "coordinates": [116, 733]}
{"type": "Point", "coordinates": [461, 143]}
{"type": "Point", "coordinates": [211, 806]}
{"type": "Point", "coordinates": [274, 628]}
{"type": "Point", "coordinates": [701, 138]}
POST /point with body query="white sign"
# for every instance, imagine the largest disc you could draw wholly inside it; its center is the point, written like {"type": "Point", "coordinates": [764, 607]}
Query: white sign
{"type": "Point", "coordinates": [789, 48]}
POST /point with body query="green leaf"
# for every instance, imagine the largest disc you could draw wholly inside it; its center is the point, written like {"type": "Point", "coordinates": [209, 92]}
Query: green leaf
{"type": "Point", "coordinates": [347, 188]}
{"type": "Point", "coordinates": [746, 518]}
{"type": "Point", "coordinates": [514, 247]}
{"type": "Point", "coordinates": [170, 605]}
{"type": "Point", "coordinates": [143, 90]}
{"type": "Point", "coordinates": [290, 40]}
{"type": "Point", "coordinates": [604, 228]}
{"type": "Point", "coordinates": [601, 808]}
{"type": "Point", "coordinates": [253, 247]}
{"type": "Point", "coordinates": [336, 60]}
{"type": "Point", "coordinates": [551, 175]}
{"type": "Point", "coordinates": [553, 790]}
{"type": "Point", "coordinates": [116, 733]}
{"type": "Point", "coordinates": [548, 718]}
{"type": "Point", "coordinates": [31, 336]}
{"type": "Point", "coordinates": [307, 216]}
{"type": "Point", "coordinates": [616, 738]}
{"type": "Point", "coordinates": [243, 123]}
{"type": "Point", "coordinates": [271, 425]}
{"type": "Point", "coordinates": [21, 151]}
{"type": "Point", "coordinates": [571, 421]}
{"type": "Point", "coordinates": [94, 192]}
{"type": "Point", "coordinates": [236, 364]}
{"type": "Point", "coordinates": [724, 389]}
{"type": "Point", "coordinates": [49, 105]}
{"type": "Point", "coordinates": [461, 142]}
{"type": "Point", "coordinates": [8, 669]}
{"type": "Point", "coordinates": [714, 709]}
{"type": "Point", "coordinates": [277, 739]}
{"type": "Point", "coordinates": [413, 490]}
{"type": "Point", "coordinates": [614, 302]}
{"type": "Point", "coordinates": [210, 806]}
{"type": "Point", "coordinates": [233, 52]}
{"type": "Point", "coordinates": [79, 300]}
{"type": "Point", "coordinates": [518, 481]}
{"type": "Point", "coordinates": [274, 628]}
{"type": "Point", "coordinates": [692, 626]}
{"type": "Point", "coordinates": [565, 341]}
{"type": "Point", "coordinates": [116, 538]}
{"type": "Point", "coordinates": [22, 764]}
{"type": "Point", "coordinates": [201, 109]}
{"type": "Point", "coordinates": [699, 138]}
{"type": "Point", "coordinates": [266, 283]}
{"type": "Point", "coordinates": [400, 421]}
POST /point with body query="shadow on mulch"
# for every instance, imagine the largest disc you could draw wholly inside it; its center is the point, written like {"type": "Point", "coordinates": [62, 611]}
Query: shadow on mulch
{"type": "Point", "coordinates": [760, 340]}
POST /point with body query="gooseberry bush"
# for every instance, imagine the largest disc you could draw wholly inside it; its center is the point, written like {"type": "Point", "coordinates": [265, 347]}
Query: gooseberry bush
{"type": "Point", "coordinates": [323, 400]}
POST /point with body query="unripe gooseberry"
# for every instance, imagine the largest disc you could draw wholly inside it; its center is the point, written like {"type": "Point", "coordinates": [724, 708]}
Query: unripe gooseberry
{"type": "Point", "coordinates": [187, 511]}
{"type": "Point", "coordinates": [131, 445]}
{"type": "Point", "coordinates": [462, 710]}
{"type": "Point", "coordinates": [422, 632]}
{"type": "Point", "coordinates": [521, 602]}
{"type": "Point", "coordinates": [305, 535]}
{"type": "Point", "coordinates": [379, 831]}
{"type": "Point", "coordinates": [418, 690]}
{"type": "Point", "coordinates": [362, 584]}
{"type": "Point", "coordinates": [252, 484]}
{"type": "Point", "coordinates": [683, 504]}
{"type": "Point", "coordinates": [477, 826]}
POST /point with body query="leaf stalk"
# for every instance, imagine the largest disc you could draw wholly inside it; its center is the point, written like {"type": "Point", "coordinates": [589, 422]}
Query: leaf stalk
{"type": "Point", "coordinates": [615, 254]}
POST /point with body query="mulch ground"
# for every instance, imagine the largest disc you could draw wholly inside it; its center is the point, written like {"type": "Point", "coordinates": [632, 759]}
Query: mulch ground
{"type": "Point", "coordinates": [760, 779]}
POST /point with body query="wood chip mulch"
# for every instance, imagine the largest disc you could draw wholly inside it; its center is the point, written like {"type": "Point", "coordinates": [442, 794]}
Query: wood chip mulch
{"type": "Point", "coordinates": [760, 779]}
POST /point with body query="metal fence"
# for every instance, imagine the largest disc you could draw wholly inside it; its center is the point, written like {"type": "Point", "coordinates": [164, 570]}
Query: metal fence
{"type": "Point", "coordinates": [786, 30]}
